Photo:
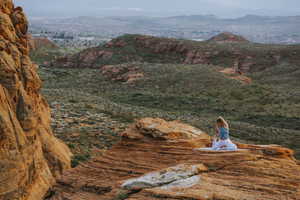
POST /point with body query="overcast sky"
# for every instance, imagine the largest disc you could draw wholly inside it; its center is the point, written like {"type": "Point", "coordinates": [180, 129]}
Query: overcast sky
{"type": "Point", "coordinates": [224, 8]}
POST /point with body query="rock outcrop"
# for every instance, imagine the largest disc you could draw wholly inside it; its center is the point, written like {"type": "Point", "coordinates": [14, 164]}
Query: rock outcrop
{"type": "Point", "coordinates": [36, 43]}
{"type": "Point", "coordinates": [162, 160]}
{"type": "Point", "coordinates": [227, 37]}
{"type": "Point", "coordinates": [30, 156]}
{"type": "Point", "coordinates": [125, 73]}
{"type": "Point", "coordinates": [226, 52]}
{"type": "Point", "coordinates": [232, 73]}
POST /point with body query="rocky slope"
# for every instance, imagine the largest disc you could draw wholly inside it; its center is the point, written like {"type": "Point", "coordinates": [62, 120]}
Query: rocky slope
{"type": "Point", "coordinates": [245, 56]}
{"type": "Point", "coordinates": [31, 157]}
{"type": "Point", "coordinates": [161, 160]}
{"type": "Point", "coordinates": [42, 50]}
{"type": "Point", "coordinates": [228, 37]}
{"type": "Point", "coordinates": [36, 43]}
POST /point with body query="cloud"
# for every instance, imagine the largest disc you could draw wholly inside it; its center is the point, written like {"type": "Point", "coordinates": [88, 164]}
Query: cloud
{"type": "Point", "coordinates": [136, 9]}
{"type": "Point", "coordinates": [164, 7]}
{"type": "Point", "coordinates": [123, 9]}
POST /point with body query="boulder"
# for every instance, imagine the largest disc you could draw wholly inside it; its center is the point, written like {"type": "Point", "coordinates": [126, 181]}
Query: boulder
{"type": "Point", "coordinates": [166, 178]}
{"type": "Point", "coordinates": [161, 129]}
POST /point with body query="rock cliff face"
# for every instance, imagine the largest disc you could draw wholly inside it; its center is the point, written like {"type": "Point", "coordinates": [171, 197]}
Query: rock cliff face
{"type": "Point", "coordinates": [161, 160]}
{"type": "Point", "coordinates": [225, 50]}
{"type": "Point", "coordinates": [30, 156]}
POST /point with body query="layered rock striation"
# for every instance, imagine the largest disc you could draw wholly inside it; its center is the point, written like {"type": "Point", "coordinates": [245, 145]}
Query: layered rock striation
{"type": "Point", "coordinates": [30, 156]}
{"type": "Point", "coordinates": [157, 159]}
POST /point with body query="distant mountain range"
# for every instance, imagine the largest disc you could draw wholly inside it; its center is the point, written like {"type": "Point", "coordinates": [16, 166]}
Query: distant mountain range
{"type": "Point", "coordinates": [261, 29]}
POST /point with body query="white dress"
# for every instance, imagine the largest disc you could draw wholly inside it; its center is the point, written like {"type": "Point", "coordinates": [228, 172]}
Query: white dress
{"type": "Point", "coordinates": [220, 145]}
{"type": "Point", "coordinates": [223, 145]}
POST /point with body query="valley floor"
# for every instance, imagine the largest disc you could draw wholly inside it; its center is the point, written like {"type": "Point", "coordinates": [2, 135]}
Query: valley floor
{"type": "Point", "coordinates": [90, 110]}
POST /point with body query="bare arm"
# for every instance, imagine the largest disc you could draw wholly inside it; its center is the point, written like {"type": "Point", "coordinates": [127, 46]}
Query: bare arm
{"type": "Point", "coordinates": [217, 131]}
{"type": "Point", "coordinates": [226, 125]}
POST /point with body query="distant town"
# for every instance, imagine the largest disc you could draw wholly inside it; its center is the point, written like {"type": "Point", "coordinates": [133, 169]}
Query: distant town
{"type": "Point", "coordinates": [70, 40]}
{"type": "Point", "coordinates": [92, 31]}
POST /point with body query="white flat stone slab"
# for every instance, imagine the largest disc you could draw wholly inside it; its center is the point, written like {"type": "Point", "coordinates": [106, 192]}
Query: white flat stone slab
{"type": "Point", "coordinates": [178, 175]}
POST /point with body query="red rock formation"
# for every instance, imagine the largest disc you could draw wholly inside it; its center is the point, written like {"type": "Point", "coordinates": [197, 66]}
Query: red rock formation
{"type": "Point", "coordinates": [123, 73]}
{"type": "Point", "coordinates": [159, 160]}
{"type": "Point", "coordinates": [40, 42]}
{"type": "Point", "coordinates": [86, 59]}
{"type": "Point", "coordinates": [232, 73]}
{"type": "Point", "coordinates": [140, 48]}
{"type": "Point", "coordinates": [30, 156]}
{"type": "Point", "coordinates": [228, 37]}
{"type": "Point", "coordinates": [116, 43]}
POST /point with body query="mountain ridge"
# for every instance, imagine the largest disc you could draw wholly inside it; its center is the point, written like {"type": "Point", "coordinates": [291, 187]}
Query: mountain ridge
{"type": "Point", "coordinates": [261, 29]}
{"type": "Point", "coordinates": [235, 52]}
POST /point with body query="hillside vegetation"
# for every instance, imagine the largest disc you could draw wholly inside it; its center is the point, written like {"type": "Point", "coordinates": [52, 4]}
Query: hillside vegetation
{"type": "Point", "coordinates": [266, 111]}
{"type": "Point", "coordinates": [42, 50]}
{"type": "Point", "coordinates": [156, 77]}
{"type": "Point", "coordinates": [249, 57]}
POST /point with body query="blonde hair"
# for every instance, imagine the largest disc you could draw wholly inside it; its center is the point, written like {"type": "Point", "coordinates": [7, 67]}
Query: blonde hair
{"type": "Point", "coordinates": [222, 121]}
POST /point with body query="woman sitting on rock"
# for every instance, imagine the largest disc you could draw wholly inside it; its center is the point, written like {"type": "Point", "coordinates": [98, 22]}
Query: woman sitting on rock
{"type": "Point", "coordinates": [222, 141]}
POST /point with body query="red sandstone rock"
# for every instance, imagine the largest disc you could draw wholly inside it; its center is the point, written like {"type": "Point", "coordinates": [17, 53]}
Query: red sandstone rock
{"type": "Point", "coordinates": [159, 160]}
{"type": "Point", "coordinates": [228, 37]}
{"type": "Point", "coordinates": [30, 156]}
{"type": "Point", "coordinates": [124, 73]}
{"type": "Point", "coordinates": [236, 75]}
{"type": "Point", "coordinates": [135, 48]}
{"type": "Point", "coordinates": [40, 42]}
